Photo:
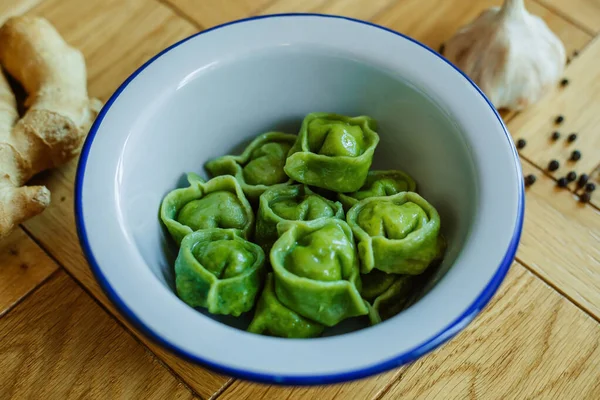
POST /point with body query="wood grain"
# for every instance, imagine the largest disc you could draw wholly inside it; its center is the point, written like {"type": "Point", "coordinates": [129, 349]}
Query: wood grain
{"type": "Point", "coordinates": [117, 36]}
{"type": "Point", "coordinates": [23, 266]}
{"type": "Point", "coordinates": [58, 344]}
{"type": "Point", "coordinates": [528, 335]}
{"type": "Point", "coordinates": [370, 388]}
{"type": "Point", "coordinates": [530, 343]}
{"type": "Point", "coordinates": [132, 31]}
{"type": "Point", "coordinates": [584, 12]}
{"type": "Point", "coordinates": [595, 179]}
{"type": "Point", "coordinates": [433, 22]}
{"type": "Point", "coordinates": [578, 103]}
{"type": "Point", "coordinates": [209, 13]}
{"type": "Point", "coordinates": [348, 8]}
{"type": "Point", "coordinates": [561, 241]}
{"type": "Point", "coordinates": [11, 8]}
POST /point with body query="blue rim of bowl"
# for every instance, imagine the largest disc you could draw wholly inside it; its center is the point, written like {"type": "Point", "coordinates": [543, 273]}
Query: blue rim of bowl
{"type": "Point", "coordinates": [404, 358]}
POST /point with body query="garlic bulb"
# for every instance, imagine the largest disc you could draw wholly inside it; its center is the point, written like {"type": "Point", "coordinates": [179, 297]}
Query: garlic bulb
{"type": "Point", "coordinates": [510, 54]}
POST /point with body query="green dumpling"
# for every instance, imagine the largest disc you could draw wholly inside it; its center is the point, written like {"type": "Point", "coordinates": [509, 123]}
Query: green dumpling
{"type": "Point", "coordinates": [218, 203]}
{"type": "Point", "coordinates": [396, 234]}
{"type": "Point", "coordinates": [316, 270]}
{"type": "Point", "coordinates": [387, 294]}
{"type": "Point", "coordinates": [260, 166]}
{"type": "Point", "coordinates": [220, 271]}
{"type": "Point", "coordinates": [274, 319]}
{"type": "Point", "coordinates": [379, 183]}
{"type": "Point", "coordinates": [333, 151]}
{"type": "Point", "coordinates": [290, 203]}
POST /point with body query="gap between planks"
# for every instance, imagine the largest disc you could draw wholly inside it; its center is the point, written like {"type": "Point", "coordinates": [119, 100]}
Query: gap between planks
{"type": "Point", "coordinates": [111, 315]}
{"type": "Point", "coordinates": [181, 14]}
{"type": "Point", "coordinates": [34, 289]}
{"type": "Point", "coordinates": [566, 17]}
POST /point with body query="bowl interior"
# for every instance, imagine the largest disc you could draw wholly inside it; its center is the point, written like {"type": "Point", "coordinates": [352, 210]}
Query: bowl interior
{"type": "Point", "coordinates": [220, 109]}
{"type": "Point", "coordinates": [213, 93]}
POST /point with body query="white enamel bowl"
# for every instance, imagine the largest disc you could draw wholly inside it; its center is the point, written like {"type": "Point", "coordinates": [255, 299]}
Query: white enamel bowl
{"type": "Point", "coordinates": [206, 95]}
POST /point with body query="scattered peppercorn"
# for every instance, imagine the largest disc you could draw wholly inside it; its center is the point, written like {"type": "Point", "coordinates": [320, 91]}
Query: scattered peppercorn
{"type": "Point", "coordinates": [571, 176]}
{"type": "Point", "coordinates": [575, 53]}
{"type": "Point", "coordinates": [442, 48]}
{"type": "Point", "coordinates": [530, 180]}
{"type": "Point", "coordinates": [521, 143]}
{"type": "Point", "coordinates": [590, 187]}
{"type": "Point", "coordinates": [572, 137]}
{"type": "Point", "coordinates": [559, 119]}
{"type": "Point", "coordinates": [555, 135]}
{"type": "Point", "coordinates": [575, 155]}
{"type": "Point", "coordinates": [585, 197]}
{"type": "Point", "coordinates": [564, 82]}
{"type": "Point", "coordinates": [553, 166]}
{"type": "Point", "coordinates": [562, 182]}
{"type": "Point", "coordinates": [583, 178]}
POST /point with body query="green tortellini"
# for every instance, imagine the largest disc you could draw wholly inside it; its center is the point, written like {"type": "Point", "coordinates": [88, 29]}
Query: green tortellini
{"type": "Point", "coordinates": [290, 203]}
{"type": "Point", "coordinates": [379, 183]}
{"type": "Point", "coordinates": [331, 240]}
{"type": "Point", "coordinates": [260, 166]}
{"type": "Point", "coordinates": [218, 203]}
{"type": "Point", "coordinates": [274, 319]}
{"type": "Point", "coordinates": [219, 270]}
{"type": "Point", "coordinates": [396, 234]}
{"type": "Point", "coordinates": [333, 151]}
{"type": "Point", "coordinates": [387, 294]}
{"type": "Point", "coordinates": [316, 270]}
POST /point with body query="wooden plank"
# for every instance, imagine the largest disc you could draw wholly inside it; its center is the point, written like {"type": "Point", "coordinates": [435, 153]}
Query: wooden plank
{"type": "Point", "coordinates": [584, 12]}
{"type": "Point", "coordinates": [15, 7]}
{"type": "Point", "coordinates": [132, 31]}
{"type": "Point", "coordinates": [60, 344]}
{"type": "Point", "coordinates": [433, 22]}
{"type": "Point", "coordinates": [129, 37]}
{"type": "Point", "coordinates": [528, 335]}
{"type": "Point", "coordinates": [23, 266]}
{"type": "Point", "coordinates": [529, 343]}
{"type": "Point", "coordinates": [370, 388]}
{"type": "Point", "coordinates": [578, 102]}
{"type": "Point", "coordinates": [208, 13]}
{"type": "Point", "coordinates": [595, 179]}
{"type": "Point", "coordinates": [561, 241]}
{"type": "Point", "coordinates": [350, 8]}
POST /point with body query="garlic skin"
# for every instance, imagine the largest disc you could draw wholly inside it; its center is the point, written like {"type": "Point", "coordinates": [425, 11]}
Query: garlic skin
{"type": "Point", "coordinates": [510, 54]}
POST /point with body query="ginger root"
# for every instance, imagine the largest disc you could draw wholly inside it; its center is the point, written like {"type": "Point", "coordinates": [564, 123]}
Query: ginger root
{"type": "Point", "coordinates": [59, 113]}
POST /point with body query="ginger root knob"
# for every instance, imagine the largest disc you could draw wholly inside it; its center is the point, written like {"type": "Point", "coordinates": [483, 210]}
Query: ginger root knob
{"type": "Point", "coordinates": [59, 113]}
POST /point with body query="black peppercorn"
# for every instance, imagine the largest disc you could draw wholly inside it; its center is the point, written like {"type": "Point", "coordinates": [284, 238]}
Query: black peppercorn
{"type": "Point", "coordinates": [572, 137]}
{"type": "Point", "coordinates": [583, 178]}
{"type": "Point", "coordinates": [553, 166]}
{"type": "Point", "coordinates": [590, 187]}
{"type": "Point", "coordinates": [442, 48]}
{"type": "Point", "coordinates": [575, 53]}
{"type": "Point", "coordinates": [555, 135]}
{"type": "Point", "coordinates": [571, 176]}
{"type": "Point", "coordinates": [575, 155]}
{"type": "Point", "coordinates": [585, 197]}
{"type": "Point", "coordinates": [521, 143]}
{"type": "Point", "coordinates": [564, 82]}
{"type": "Point", "coordinates": [562, 182]}
{"type": "Point", "coordinates": [559, 119]}
{"type": "Point", "coordinates": [530, 180]}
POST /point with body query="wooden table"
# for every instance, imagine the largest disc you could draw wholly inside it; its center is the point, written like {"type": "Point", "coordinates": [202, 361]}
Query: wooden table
{"type": "Point", "coordinates": [538, 338]}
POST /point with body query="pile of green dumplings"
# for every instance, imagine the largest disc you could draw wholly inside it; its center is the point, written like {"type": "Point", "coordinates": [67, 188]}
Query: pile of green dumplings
{"type": "Point", "coordinates": [299, 229]}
